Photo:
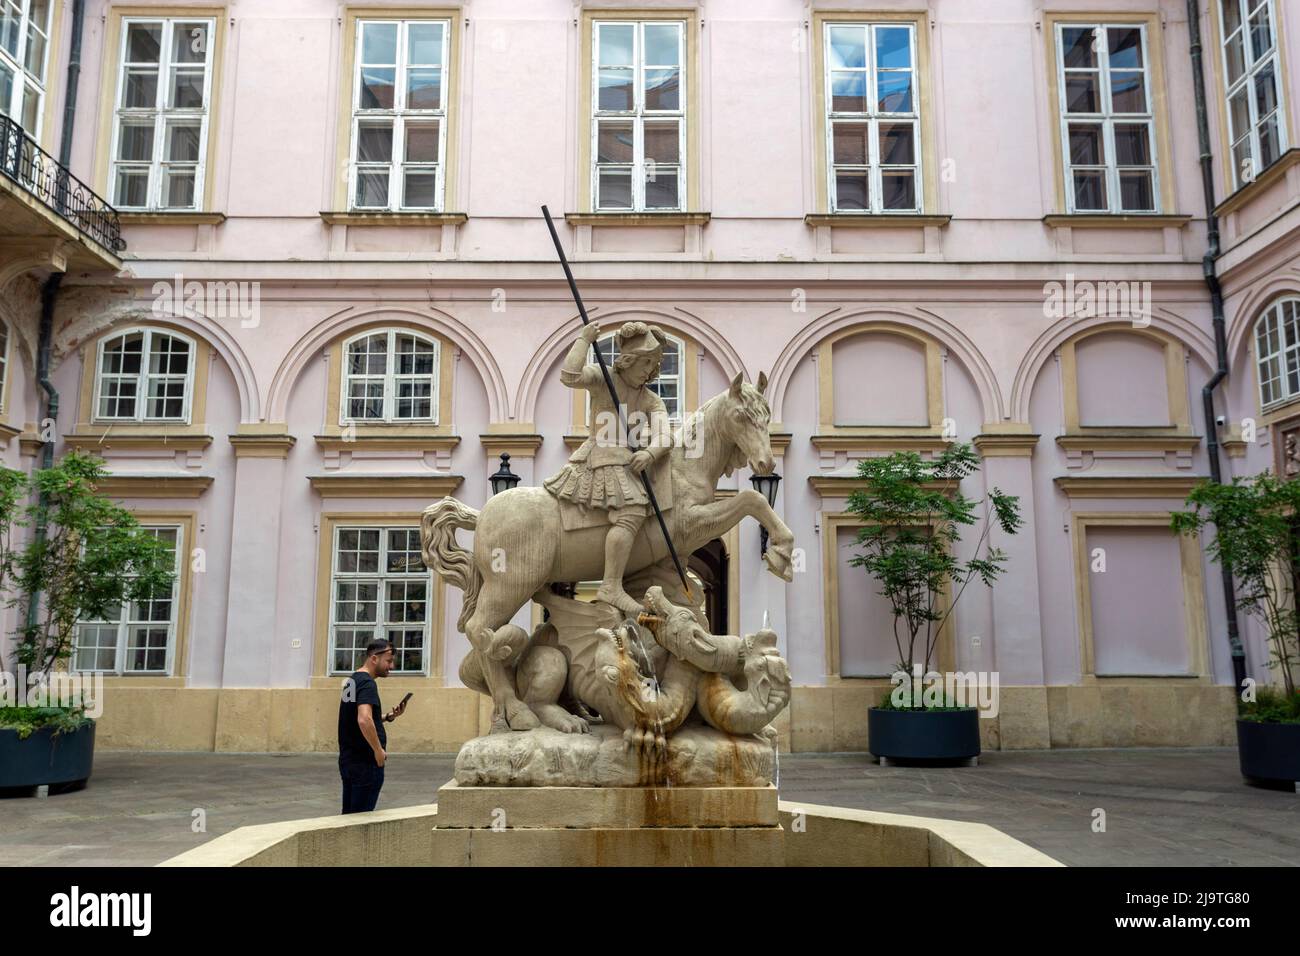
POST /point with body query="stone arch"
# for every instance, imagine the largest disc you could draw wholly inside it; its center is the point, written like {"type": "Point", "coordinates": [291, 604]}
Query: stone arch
{"type": "Point", "coordinates": [340, 324]}
{"type": "Point", "coordinates": [864, 320]}
{"type": "Point", "coordinates": [679, 322]}
{"type": "Point", "coordinates": [1171, 325]}
{"type": "Point", "coordinates": [1255, 303]}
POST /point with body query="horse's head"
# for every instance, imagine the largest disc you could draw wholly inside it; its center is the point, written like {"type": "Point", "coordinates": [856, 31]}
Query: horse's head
{"type": "Point", "coordinates": [743, 419]}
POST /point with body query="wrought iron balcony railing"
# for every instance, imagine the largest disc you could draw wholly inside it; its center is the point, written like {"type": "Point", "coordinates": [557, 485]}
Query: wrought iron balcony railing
{"type": "Point", "coordinates": [41, 175]}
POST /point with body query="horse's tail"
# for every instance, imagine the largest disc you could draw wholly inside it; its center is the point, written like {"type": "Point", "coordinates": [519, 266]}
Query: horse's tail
{"type": "Point", "coordinates": [438, 527]}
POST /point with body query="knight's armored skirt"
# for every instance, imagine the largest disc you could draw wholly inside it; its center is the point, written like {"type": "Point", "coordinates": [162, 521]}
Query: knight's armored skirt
{"type": "Point", "coordinates": [603, 486]}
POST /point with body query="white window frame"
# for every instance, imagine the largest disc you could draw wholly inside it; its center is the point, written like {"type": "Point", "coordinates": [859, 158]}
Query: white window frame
{"type": "Point", "coordinates": [381, 578]}
{"type": "Point", "coordinates": [679, 378]}
{"type": "Point", "coordinates": [143, 376]}
{"type": "Point", "coordinates": [1250, 68]}
{"type": "Point", "coordinates": [1280, 322]}
{"type": "Point", "coordinates": [5, 339]}
{"type": "Point", "coordinates": [872, 119]}
{"type": "Point", "coordinates": [1107, 119]}
{"type": "Point", "coordinates": [161, 114]}
{"type": "Point", "coordinates": [638, 115]}
{"type": "Point", "coordinates": [391, 378]}
{"type": "Point", "coordinates": [24, 81]}
{"type": "Point", "coordinates": [125, 624]}
{"type": "Point", "coordinates": [400, 116]}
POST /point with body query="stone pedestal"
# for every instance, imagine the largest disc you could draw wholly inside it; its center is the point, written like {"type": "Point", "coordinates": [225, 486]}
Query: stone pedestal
{"type": "Point", "coordinates": [607, 826]}
{"type": "Point", "coordinates": [698, 756]}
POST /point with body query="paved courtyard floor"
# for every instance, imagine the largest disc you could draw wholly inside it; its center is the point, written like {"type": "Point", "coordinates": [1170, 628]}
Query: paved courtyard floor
{"type": "Point", "coordinates": [1162, 807]}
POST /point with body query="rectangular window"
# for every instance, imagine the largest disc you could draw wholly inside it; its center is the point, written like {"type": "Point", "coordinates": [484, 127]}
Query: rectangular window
{"type": "Point", "coordinates": [1257, 131]}
{"type": "Point", "coordinates": [140, 637]}
{"type": "Point", "coordinates": [379, 588]}
{"type": "Point", "coordinates": [160, 132]}
{"type": "Point", "coordinates": [399, 114]}
{"type": "Point", "coordinates": [873, 120]}
{"type": "Point", "coordinates": [638, 124]}
{"type": "Point", "coordinates": [24, 50]}
{"type": "Point", "coordinates": [1107, 125]}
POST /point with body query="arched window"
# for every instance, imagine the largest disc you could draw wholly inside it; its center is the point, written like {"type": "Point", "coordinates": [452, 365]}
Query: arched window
{"type": "Point", "coordinates": [669, 385]}
{"type": "Point", "coordinates": [390, 375]}
{"type": "Point", "coordinates": [1277, 351]}
{"type": "Point", "coordinates": [145, 375]}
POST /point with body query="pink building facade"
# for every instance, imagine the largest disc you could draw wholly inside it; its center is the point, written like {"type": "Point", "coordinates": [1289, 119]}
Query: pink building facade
{"type": "Point", "coordinates": [924, 221]}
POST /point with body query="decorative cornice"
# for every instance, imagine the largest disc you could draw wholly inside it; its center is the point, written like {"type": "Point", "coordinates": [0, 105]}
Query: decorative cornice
{"type": "Point", "coordinates": [171, 218]}
{"type": "Point", "coordinates": [521, 445]}
{"type": "Point", "coordinates": [413, 442]}
{"type": "Point", "coordinates": [1128, 441]}
{"type": "Point", "coordinates": [780, 441]}
{"type": "Point", "coordinates": [1235, 447]}
{"type": "Point", "coordinates": [154, 486]}
{"type": "Point", "coordinates": [262, 446]}
{"type": "Point", "coordinates": [636, 218]}
{"type": "Point", "coordinates": [848, 220]}
{"type": "Point", "coordinates": [394, 218]}
{"type": "Point", "coordinates": [1114, 221]}
{"type": "Point", "coordinates": [1260, 183]}
{"type": "Point", "coordinates": [30, 443]}
{"type": "Point", "coordinates": [916, 441]}
{"type": "Point", "coordinates": [137, 441]}
{"type": "Point", "coordinates": [385, 485]}
{"type": "Point", "coordinates": [1128, 486]}
{"type": "Point", "coordinates": [839, 486]}
{"type": "Point", "coordinates": [1006, 446]}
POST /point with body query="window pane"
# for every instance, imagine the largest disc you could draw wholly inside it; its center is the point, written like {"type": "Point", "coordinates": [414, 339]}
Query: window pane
{"type": "Point", "coordinates": [178, 188]}
{"type": "Point", "coordinates": [379, 43]}
{"type": "Point", "coordinates": [375, 142]}
{"type": "Point", "coordinates": [182, 141]}
{"type": "Point", "coordinates": [141, 90]}
{"type": "Point", "coordinates": [894, 92]}
{"type": "Point", "coordinates": [34, 57]}
{"type": "Point", "coordinates": [851, 192]}
{"type": "Point", "coordinates": [143, 42]}
{"type": "Point", "coordinates": [898, 188]}
{"type": "Point", "coordinates": [424, 89]}
{"type": "Point", "coordinates": [850, 143]}
{"type": "Point", "coordinates": [893, 47]}
{"type": "Point", "coordinates": [1077, 44]}
{"type": "Point", "coordinates": [189, 42]}
{"type": "Point", "coordinates": [616, 41]}
{"type": "Point", "coordinates": [414, 356]}
{"type": "Point", "coordinates": [421, 142]}
{"type": "Point", "coordinates": [615, 90]}
{"type": "Point", "coordinates": [1270, 146]}
{"type": "Point", "coordinates": [849, 92]}
{"type": "Point", "coordinates": [372, 188]}
{"type": "Point", "coordinates": [1087, 146]}
{"type": "Point", "coordinates": [1081, 93]}
{"type": "Point", "coordinates": [661, 44]}
{"type": "Point", "coordinates": [186, 89]}
{"type": "Point", "coordinates": [847, 47]}
{"type": "Point", "coordinates": [1239, 111]}
{"type": "Point", "coordinates": [420, 188]}
{"type": "Point", "coordinates": [1231, 15]}
{"type": "Point", "coordinates": [1235, 52]}
{"type": "Point", "coordinates": [1125, 48]}
{"type": "Point", "coordinates": [1089, 189]}
{"type": "Point", "coordinates": [1128, 92]}
{"type": "Point", "coordinates": [663, 89]}
{"type": "Point", "coordinates": [1265, 91]}
{"type": "Point", "coordinates": [1135, 190]}
{"type": "Point", "coordinates": [377, 88]}
{"type": "Point", "coordinates": [1261, 32]}
{"type": "Point", "coordinates": [132, 187]}
{"type": "Point", "coordinates": [369, 356]}
{"type": "Point", "coordinates": [614, 189]}
{"type": "Point", "coordinates": [897, 146]}
{"type": "Point", "coordinates": [135, 140]}
{"type": "Point", "coordinates": [661, 187]}
{"type": "Point", "coordinates": [424, 44]}
{"type": "Point", "coordinates": [662, 144]}
{"type": "Point", "coordinates": [1132, 144]}
{"type": "Point", "coordinates": [614, 142]}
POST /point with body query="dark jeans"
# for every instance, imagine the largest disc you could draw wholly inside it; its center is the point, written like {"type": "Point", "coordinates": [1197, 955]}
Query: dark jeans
{"type": "Point", "coordinates": [362, 781]}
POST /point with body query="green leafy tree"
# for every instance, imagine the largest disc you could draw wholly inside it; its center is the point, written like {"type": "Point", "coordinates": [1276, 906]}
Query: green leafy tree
{"type": "Point", "coordinates": [913, 515]}
{"type": "Point", "coordinates": [1256, 523]}
{"type": "Point", "coordinates": [92, 557]}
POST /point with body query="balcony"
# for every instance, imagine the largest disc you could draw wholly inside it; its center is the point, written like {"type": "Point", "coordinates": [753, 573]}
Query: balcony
{"type": "Point", "coordinates": [50, 214]}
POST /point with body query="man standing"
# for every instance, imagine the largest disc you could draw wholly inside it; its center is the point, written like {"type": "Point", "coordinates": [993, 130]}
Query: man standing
{"type": "Point", "coordinates": [361, 730]}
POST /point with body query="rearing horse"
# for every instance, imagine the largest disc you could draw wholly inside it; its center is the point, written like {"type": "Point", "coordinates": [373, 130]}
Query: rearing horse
{"type": "Point", "coordinates": [520, 545]}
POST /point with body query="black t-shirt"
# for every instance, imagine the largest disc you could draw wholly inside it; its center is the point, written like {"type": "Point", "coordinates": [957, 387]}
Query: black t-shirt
{"type": "Point", "coordinates": [360, 688]}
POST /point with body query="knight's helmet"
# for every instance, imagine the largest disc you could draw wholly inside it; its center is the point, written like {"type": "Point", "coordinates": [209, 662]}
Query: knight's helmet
{"type": "Point", "coordinates": [635, 339]}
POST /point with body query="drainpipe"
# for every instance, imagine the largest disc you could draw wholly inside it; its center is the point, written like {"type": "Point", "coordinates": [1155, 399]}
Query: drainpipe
{"type": "Point", "coordinates": [50, 293]}
{"type": "Point", "coordinates": [1208, 269]}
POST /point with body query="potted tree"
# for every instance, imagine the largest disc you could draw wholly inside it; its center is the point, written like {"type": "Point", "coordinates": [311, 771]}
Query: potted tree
{"type": "Point", "coordinates": [84, 558]}
{"type": "Point", "coordinates": [1257, 537]}
{"type": "Point", "coordinates": [913, 514]}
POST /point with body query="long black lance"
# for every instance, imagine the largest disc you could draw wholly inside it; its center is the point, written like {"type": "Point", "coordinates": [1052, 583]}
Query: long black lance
{"type": "Point", "coordinates": [613, 396]}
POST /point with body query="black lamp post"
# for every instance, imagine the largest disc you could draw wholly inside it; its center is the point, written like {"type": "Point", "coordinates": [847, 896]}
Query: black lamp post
{"type": "Point", "coordinates": [504, 479]}
{"type": "Point", "coordinates": [765, 485]}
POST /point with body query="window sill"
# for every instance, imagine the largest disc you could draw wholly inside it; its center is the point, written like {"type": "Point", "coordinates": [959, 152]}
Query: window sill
{"type": "Point", "coordinates": [848, 220]}
{"type": "Point", "coordinates": [93, 437]}
{"type": "Point", "coordinates": [1109, 220]}
{"type": "Point", "coordinates": [424, 486]}
{"type": "Point", "coordinates": [636, 218]}
{"type": "Point", "coordinates": [389, 440]}
{"type": "Point", "coordinates": [171, 218]}
{"type": "Point", "coordinates": [1139, 439]}
{"type": "Point", "coordinates": [154, 486]}
{"type": "Point", "coordinates": [1128, 486]}
{"type": "Point", "coordinates": [1260, 183]}
{"type": "Point", "coordinates": [394, 218]}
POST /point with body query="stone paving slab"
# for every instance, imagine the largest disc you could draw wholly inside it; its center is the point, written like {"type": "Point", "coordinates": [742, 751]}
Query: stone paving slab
{"type": "Point", "coordinates": [1163, 807]}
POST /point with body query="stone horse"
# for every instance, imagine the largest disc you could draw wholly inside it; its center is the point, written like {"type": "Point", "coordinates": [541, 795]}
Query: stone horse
{"type": "Point", "coordinates": [521, 545]}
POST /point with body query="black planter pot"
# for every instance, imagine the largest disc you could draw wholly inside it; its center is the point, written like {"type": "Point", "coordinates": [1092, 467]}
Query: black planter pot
{"type": "Point", "coordinates": [948, 736]}
{"type": "Point", "coordinates": [46, 758]}
{"type": "Point", "coordinates": [1269, 751]}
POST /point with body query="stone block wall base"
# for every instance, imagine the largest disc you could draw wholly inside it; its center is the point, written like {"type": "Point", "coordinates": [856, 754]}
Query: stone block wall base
{"type": "Point", "coordinates": [649, 846]}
